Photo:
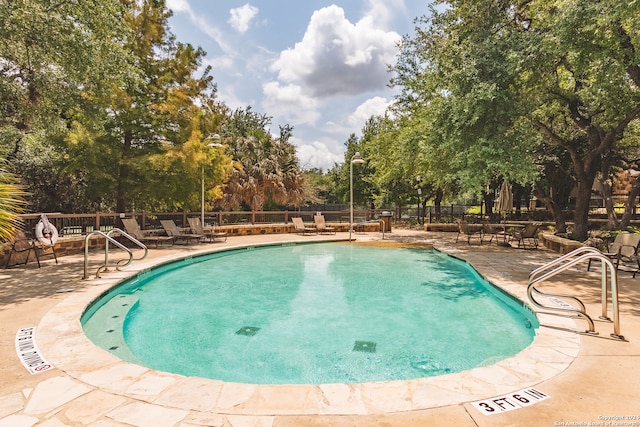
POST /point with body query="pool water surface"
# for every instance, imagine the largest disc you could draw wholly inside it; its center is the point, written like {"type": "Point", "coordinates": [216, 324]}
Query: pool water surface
{"type": "Point", "coordinates": [311, 314]}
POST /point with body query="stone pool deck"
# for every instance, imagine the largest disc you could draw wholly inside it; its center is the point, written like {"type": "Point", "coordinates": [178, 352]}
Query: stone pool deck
{"type": "Point", "coordinates": [588, 379]}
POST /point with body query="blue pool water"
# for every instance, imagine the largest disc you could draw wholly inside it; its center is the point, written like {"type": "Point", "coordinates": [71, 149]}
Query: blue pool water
{"type": "Point", "coordinates": [311, 313]}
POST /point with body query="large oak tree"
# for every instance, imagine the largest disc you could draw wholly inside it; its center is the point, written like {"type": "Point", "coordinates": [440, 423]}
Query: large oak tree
{"type": "Point", "coordinates": [498, 81]}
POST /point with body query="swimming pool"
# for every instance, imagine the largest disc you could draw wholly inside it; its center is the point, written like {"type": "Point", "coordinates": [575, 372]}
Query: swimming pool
{"type": "Point", "coordinates": [311, 313]}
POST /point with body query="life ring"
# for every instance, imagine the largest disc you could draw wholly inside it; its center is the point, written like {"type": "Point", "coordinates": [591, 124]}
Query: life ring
{"type": "Point", "coordinates": [50, 237]}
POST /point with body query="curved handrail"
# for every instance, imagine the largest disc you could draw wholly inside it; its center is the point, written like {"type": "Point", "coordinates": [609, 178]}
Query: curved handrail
{"type": "Point", "coordinates": [131, 238]}
{"type": "Point", "coordinates": [572, 258]}
{"type": "Point", "coordinates": [106, 264]}
{"type": "Point", "coordinates": [556, 261]}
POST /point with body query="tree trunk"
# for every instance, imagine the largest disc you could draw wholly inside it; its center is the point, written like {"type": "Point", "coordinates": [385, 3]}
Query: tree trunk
{"type": "Point", "coordinates": [437, 203]}
{"type": "Point", "coordinates": [488, 203]}
{"type": "Point", "coordinates": [553, 207]}
{"type": "Point", "coordinates": [604, 188]}
{"type": "Point", "coordinates": [630, 204]}
{"type": "Point", "coordinates": [581, 213]}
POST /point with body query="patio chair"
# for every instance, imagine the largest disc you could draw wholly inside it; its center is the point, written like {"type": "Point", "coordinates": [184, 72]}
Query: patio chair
{"type": "Point", "coordinates": [300, 228]}
{"type": "Point", "coordinates": [493, 231]}
{"type": "Point", "coordinates": [470, 230]}
{"type": "Point", "coordinates": [132, 228]}
{"type": "Point", "coordinates": [172, 230]}
{"type": "Point", "coordinates": [322, 226]}
{"type": "Point", "coordinates": [623, 249]}
{"type": "Point", "coordinates": [196, 227]}
{"type": "Point", "coordinates": [528, 233]}
{"type": "Point", "coordinates": [20, 243]}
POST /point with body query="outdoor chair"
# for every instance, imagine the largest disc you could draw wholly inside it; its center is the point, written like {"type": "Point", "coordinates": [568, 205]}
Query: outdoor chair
{"type": "Point", "coordinates": [470, 230]}
{"type": "Point", "coordinates": [172, 230]}
{"type": "Point", "coordinates": [196, 227]}
{"type": "Point", "coordinates": [132, 228]}
{"type": "Point", "coordinates": [322, 226]}
{"type": "Point", "coordinates": [300, 228]}
{"type": "Point", "coordinates": [623, 249]}
{"type": "Point", "coordinates": [20, 243]}
{"type": "Point", "coordinates": [528, 233]}
{"type": "Point", "coordinates": [493, 231]}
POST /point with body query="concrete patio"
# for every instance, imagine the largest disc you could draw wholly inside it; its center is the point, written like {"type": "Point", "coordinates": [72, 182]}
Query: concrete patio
{"type": "Point", "coordinates": [586, 379]}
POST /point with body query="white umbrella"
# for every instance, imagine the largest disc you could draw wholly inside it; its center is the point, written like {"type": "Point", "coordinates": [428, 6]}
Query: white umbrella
{"type": "Point", "coordinates": [505, 204]}
{"type": "Point", "coordinates": [505, 198]}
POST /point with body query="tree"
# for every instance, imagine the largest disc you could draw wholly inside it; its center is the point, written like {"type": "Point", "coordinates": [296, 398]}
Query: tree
{"type": "Point", "coordinates": [53, 53]}
{"type": "Point", "coordinates": [506, 78]}
{"type": "Point", "coordinates": [265, 169]}
{"type": "Point", "coordinates": [11, 204]}
{"type": "Point", "coordinates": [364, 190]}
{"type": "Point", "coordinates": [150, 150]}
{"type": "Point", "coordinates": [55, 56]}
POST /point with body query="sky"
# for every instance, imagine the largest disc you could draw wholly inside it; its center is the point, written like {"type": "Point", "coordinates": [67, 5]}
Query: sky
{"type": "Point", "coordinates": [319, 66]}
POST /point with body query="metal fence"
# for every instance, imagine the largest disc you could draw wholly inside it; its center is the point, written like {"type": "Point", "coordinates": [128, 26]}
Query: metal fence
{"type": "Point", "coordinates": [80, 224]}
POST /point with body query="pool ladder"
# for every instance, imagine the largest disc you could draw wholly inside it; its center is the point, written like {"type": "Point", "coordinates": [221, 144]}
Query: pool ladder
{"type": "Point", "coordinates": [108, 238]}
{"type": "Point", "coordinates": [561, 264]}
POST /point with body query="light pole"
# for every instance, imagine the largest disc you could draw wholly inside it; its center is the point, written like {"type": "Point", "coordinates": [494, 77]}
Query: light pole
{"type": "Point", "coordinates": [215, 144]}
{"type": "Point", "coordinates": [355, 159]}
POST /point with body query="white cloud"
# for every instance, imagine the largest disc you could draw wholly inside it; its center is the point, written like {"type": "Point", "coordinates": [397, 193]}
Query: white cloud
{"type": "Point", "coordinates": [241, 17]}
{"type": "Point", "coordinates": [382, 11]}
{"type": "Point", "coordinates": [375, 106]}
{"type": "Point", "coordinates": [290, 102]}
{"type": "Point", "coordinates": [318, 155]}
{"type": "Point", "coordinates": [179, 5]}
{"type": "Point", "coordinates": [201, 24]}
{"type": "Point", "coordinates": [336, 57]}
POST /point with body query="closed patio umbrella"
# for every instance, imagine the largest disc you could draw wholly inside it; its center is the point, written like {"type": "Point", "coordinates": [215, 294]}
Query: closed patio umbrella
{"type": "Point", "coordinates": [505, 198]}
{"type": "Point", "coordinates": [505, 204]}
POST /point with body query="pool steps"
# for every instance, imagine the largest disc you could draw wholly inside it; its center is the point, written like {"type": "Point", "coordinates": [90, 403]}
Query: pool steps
{"type": "Point", "coordinates": [109, 325]}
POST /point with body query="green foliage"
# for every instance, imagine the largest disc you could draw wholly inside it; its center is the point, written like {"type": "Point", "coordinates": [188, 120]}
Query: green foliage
{"type": "Point", "coordinates": [265, 168]}
{"type": "Point", "coordinates": [11, 203]}
{"type": "Point", "coordinates": [514, 90]}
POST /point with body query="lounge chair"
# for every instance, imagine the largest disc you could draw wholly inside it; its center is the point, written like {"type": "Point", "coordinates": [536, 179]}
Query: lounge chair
{"type": "Point", "coordinates": [529, 233]}
{"type": "Point", "coordinates": [132, 227]}
{"type": "Point", "coordinates": [20, 243]}
{"type": "Point", "coordinates": [470, 230]}
{"type": "Point", "coordinates": [196, 227]}
{"type": "Point", "coordinates": [300, 228]}
{"type": "Point", "coordinates": [172, 230]}
{"type": "Point", "coordinates": [322, 226]}
{"type": "Point", "coordinates": [623, 249]}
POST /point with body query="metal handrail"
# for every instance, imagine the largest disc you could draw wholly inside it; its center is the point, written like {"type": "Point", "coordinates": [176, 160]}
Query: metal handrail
{"type": "Point", "coordinates": [130, 238]}
{"type": "Point", "coordinates": [572, 258]}
{"type": "Point", "coordinates": [108, 238]}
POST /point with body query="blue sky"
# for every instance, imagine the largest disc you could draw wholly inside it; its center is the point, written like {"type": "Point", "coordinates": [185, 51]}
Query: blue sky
{"type": "Point", "coordinates": [316, 65]}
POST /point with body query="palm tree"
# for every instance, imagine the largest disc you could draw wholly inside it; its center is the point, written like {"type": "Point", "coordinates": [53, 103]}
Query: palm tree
{"type": "Point", "coordinates": [263, 171]}
{"type": "Point", "coordinates": [11, 204]}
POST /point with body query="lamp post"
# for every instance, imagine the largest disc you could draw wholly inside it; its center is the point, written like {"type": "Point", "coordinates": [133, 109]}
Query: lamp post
{"type": "Point", "coordinates": [355, 159]}
{"type": "Point", "coordinates": [215, 144]}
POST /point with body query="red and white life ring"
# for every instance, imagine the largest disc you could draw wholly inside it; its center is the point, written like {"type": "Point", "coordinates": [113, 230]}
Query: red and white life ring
{"type": "Point", "coordinates": [48, 238]}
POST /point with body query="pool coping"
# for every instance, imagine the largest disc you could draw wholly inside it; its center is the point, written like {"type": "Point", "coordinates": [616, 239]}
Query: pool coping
{"type": "Point", "coordinates": [62, 341]}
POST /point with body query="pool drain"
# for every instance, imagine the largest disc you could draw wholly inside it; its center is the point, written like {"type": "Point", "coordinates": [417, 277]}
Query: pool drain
{"type": "Point", "coordinates": [365, 346]}
{"type": "Point", "coordinates": [248, 331]}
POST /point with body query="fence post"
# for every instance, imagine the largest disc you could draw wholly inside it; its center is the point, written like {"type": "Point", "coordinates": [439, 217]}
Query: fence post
{"type": "Point", "coordinates": [97, 222]}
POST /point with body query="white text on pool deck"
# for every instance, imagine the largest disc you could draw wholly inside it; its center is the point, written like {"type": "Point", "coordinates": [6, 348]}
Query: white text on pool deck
{"type": "Point", "coordinates": [511, 401]}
